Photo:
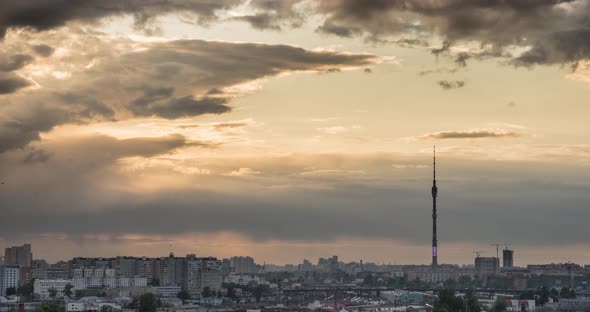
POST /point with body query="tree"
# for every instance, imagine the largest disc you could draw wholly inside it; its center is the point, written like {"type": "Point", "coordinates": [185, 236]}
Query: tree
{"type": "Point", "coordinates": [49, 306]}
{"type": "Point", "coordinates": [554, 294]}
{"type": "Point", "coordinates": [148, 303]}
{"type": "Point", "coordinates": [259, 290]}
{"type": "Point", "coordinates": [10, 291]}
{"type": "Point", "coordinates": [183, 295]}
{"type": "Point", "coordinates": [447, 301]}
{"type": "Point", "coordinates": [368, 280]}
{"type": "Point", "coordinates": [567, 293]}
{"type": "Point", "coordinates": [572, 293]}
{"type": "Point", "coordinates": [26, 290]}
{"type": "Point", "coordinates": [500, 305]}
{"type": "Point", "coordinates": [68, 290]}
{"type": "Point", "coordinates": [472, 302]}
{"type": "Point", "coordinates": [543, 295]}
{"type": "Point", "coordinates": [231, 292]}
{"type": "Point", "coordinates": [106, 308]}
{"type": "Point", "coordinates": [52, 293]}
{"type": "Point", "coordinates": [206, 292]}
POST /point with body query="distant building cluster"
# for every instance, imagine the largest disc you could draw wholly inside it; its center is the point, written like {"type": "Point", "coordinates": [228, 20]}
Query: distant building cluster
{"type": "Point", "coordinates": [98, 282]}
{"type": "Point", "coordinates": [189, 272]}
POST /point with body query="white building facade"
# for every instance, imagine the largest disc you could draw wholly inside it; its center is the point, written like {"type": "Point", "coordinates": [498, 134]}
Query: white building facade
{"type": "Point", "coordinates": [9, 278]}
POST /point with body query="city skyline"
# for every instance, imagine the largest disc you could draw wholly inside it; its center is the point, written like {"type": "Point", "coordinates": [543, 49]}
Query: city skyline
{"type": "Point", "coordinates": [291, 130]}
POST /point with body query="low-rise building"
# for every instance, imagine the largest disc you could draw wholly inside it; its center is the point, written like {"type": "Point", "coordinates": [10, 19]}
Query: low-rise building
{"type": "Point", "coordinates": [42, 287]}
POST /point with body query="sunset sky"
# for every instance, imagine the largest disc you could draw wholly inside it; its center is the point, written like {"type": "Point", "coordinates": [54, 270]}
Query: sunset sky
{"type": "Point", "coordinates": [289, 130]}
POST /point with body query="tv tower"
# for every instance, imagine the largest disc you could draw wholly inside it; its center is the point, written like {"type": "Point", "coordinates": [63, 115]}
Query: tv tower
{"type": "Point", "coordinates": [434, 194]}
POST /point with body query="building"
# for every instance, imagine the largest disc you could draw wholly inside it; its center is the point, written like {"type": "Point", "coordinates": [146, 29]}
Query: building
{"type": "Point", "coordinates": [520, 305]}
{"type": "Point", "coordinates": [19, 255]}
{"type": "Point", "coordinates": [487, 266]}
{"type": "Point", "coordinates": [170, 270]}
{"type": "Point", "coordinates": [9, 278]}
{"type": "Point", "coordinates": [42, 287]}
{"type": "Point", "coordinates": [242, 279]}
{"type": "Point", "coordinates": [441, 274]}
{"type": "Point", "coordinates": [144, 267]}
{"type": "Point", "coordinates": [124, 266]}
{"type": "Point", "coordinates": [202, 272]}
{"type": "Point", "coordinates": [243, 265]}
{"type": "Point", "coordinates": [168, 291]}
{"type": "Point", "coordinates": [507, 258]}
{"type": "Point", "coordinates": [90, 304]}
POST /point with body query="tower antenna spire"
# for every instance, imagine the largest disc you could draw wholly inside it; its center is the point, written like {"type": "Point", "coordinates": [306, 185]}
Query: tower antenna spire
{"type": "Point", "coordinates": [434, 163]}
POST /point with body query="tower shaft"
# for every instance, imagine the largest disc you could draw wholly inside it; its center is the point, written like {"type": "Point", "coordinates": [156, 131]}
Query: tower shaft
{"type": "Point", "coordinates": [434, 216]}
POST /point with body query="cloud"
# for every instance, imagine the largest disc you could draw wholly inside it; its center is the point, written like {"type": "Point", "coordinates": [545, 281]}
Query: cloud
{"type": "Point", "coordinates": [242, 172]}
{"type": "Point", "coordinates": [14, 62]}
{"type": "Point", "coordinates": [260, 21]}
{"type": "Point", "coordinates": [557, 31]}
{"type": "Point", "coordinates": [471, 134]}
{"type": "Point", "coordinates": [172, 79]}
{"type": "Point", "coordinates": [94, 194]}
{"type": "Point", "coordinates": [43, 49]}
{"type": "Point", "coordinates": [49, 14]}
{"type": "Point", "coordinates": [273, 15]}
{"type": "Point", "coordinates": [565, 47]}
{"type": "Point", "coordinates": [554, 31]}
{"type": "Point", "coordinates": [159, 102]}
{"type": "Point", "coordinates": [10, 83]}
{"type": "Point", "coordinates": [37, 155]}
{"type": "Point", "coordinates": [448, 85]}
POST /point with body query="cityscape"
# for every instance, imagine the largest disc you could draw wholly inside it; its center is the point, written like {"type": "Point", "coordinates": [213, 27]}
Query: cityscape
{"type": "Point", "coordinates": [191, 282]}
{"type": "Point", "coordinates": [294, 155]}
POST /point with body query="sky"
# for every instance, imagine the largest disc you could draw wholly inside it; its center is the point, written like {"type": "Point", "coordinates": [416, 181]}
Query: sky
{"type": "Point", "coordinates": [295, 129]}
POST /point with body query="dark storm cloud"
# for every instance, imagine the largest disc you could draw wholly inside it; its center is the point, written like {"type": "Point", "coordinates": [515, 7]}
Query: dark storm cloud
{"type": "Point", "coordinates": [14, 62]}
{"type": "Point", "coordinates": [189, 106]}
{"type": "Point", "coordinates": [10, 83]}
{"type": "Point", "coordinates": [471, 134]}
{"type": "Point", "coordinates": [36, 155]}
{"type": "Point", "coordinates": [558, 30]}
{"type": "Point", "coordinates": [85, 105]}
{"type": "Point", "coordinates": [449, 85]}
{"type": "Point", "coordinates": [160, 102]}
{"type": "Point", "coordinates": [558, 48]}
{"type": "Point", "coordinates": [396, 204]}
{"type": "Point", "coordinates": [171, 80]}
{"type": "Point", "coordinates": [43, 50]}
{"type": "Point", "coordinates": [273, 15]}
{"type": "Point", "coordinates": [260, 21]}
{"type": "Point", "coordinates": [48, 14]}
{"type": "Point", "coordinates": [22, 123]}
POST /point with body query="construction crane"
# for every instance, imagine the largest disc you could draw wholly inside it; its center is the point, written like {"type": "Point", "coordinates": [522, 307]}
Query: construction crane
{"type": "Point", "coordinates": [498, 248]}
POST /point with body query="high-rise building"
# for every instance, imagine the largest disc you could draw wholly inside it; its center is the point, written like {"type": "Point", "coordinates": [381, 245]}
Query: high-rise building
{"type": "Point", "coordinates": [507, 258]}
{"type": "Point", "coordinates": [19, 255]}
{"type": "Point", "coordinates": [243, 265]}
{"type": "Point", "coordinates": [486, 266]}
{"type": "Point", "coordinates": [434, 195]}
{"type": "Point", "coordinates": [124, 266]}
{"type": "Point", "coordinates": [144, 267]}
{"type": "Point", "coordinates": [9, 278]}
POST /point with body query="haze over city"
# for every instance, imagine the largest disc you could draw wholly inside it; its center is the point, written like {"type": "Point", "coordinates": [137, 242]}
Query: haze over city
{"type": "Point", "coordinates": [296, 129]}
